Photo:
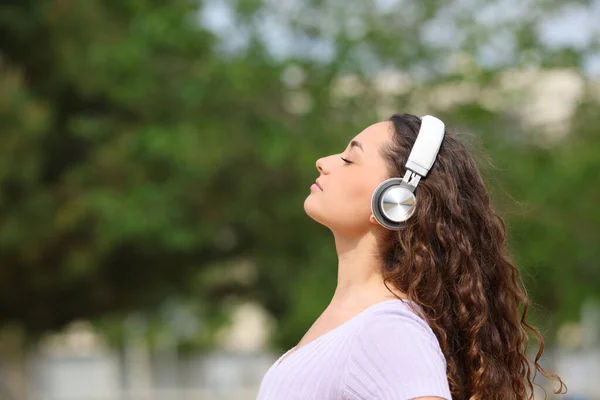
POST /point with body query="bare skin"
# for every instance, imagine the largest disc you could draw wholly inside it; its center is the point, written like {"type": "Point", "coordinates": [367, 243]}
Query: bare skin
{"type": "Point", "coordinates": [344, 206]}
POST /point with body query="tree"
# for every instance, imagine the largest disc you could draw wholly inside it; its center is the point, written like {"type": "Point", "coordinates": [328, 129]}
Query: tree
{"type": "Point", "coordinates": [146, 156]}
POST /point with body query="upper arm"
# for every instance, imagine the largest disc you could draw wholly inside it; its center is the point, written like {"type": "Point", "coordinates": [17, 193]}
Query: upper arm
{"type": "Point", "coordinates": [395, 358]}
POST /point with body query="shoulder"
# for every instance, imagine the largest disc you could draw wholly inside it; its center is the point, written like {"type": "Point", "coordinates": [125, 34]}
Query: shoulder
{"type": "Point", "coordinates": [398, 326]}
{"type": "Point", "coordinates": [394, 351]}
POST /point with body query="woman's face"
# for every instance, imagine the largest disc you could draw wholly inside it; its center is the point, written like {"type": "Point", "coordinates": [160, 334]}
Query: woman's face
{"type": "Point", "coordinates": [343, 201]}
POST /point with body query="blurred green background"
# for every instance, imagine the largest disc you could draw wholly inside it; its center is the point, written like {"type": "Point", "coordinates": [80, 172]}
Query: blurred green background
{"type": "Point", "coordinates": [155, 155]}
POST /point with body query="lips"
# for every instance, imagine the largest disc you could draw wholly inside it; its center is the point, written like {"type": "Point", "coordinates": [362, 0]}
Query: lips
{"type": "Point", "coordinates": [318, 184]}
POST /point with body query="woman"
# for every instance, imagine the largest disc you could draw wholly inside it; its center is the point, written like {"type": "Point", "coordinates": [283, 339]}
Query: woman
{"type": "Point", "coordinates": [427, 299]}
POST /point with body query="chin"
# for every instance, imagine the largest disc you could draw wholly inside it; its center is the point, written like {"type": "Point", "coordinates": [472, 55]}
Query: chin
{"type": "Point", "coordinates": [312, 209]}
{"type": "Point", "coordinates": [349, 225]}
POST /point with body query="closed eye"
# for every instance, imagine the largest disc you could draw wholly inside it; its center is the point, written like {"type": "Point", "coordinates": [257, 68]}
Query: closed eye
{"type": "Point", "coordinates": [346, 161]}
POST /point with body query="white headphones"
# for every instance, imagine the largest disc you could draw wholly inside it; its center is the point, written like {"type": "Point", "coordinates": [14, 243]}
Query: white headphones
{"type": "Point", "coordinates": [394, 201]}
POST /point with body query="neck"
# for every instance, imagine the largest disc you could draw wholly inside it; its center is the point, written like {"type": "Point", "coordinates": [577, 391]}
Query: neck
{"type": "Point", "coordinates": [360, 281]}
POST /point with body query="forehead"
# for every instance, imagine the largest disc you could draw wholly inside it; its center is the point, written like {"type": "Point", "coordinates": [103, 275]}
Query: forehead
{"type": "Point", "coordinates": [374, 136]}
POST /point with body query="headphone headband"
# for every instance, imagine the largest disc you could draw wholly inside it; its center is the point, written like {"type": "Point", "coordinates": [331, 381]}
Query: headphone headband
{"type": "Point", "coordinates": [426, 146]}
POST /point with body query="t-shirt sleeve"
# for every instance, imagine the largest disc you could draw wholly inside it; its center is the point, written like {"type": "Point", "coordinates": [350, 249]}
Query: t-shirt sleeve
{"type": "Point", "coordinates": [395, 357]}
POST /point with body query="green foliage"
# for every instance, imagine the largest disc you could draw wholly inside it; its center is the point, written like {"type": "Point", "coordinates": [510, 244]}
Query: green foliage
{"type": "Point", "coordinates": [140, 159]}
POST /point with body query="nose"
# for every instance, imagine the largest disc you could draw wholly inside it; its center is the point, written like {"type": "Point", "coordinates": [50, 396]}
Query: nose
{"type": "Point", "coordinates": [321, 166]}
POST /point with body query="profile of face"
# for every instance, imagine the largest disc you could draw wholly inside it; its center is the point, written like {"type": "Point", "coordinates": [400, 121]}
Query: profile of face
{"type": "Point", "coordinates": [341, 199]}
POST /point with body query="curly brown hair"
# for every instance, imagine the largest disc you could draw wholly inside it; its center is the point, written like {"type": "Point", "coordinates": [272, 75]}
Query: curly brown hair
{"type": "Point", "coordinates": [450, 258]}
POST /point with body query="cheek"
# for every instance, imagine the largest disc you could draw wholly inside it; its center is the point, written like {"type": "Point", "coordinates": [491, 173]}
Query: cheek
{"type": "Point", "coordinates": [358, 192]}
{"type": "Point", "coordinates": [346, 202]}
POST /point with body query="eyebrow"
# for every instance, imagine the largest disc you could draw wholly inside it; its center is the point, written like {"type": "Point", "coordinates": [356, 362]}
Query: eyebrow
{"type": "Point", "coordinates": [356, 143]}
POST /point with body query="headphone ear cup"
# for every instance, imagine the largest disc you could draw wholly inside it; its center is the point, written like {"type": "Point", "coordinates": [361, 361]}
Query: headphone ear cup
{"type": "Point", "coordinates": [376, 208]}
{"type": "Point", "coordinates": [392, 203]}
